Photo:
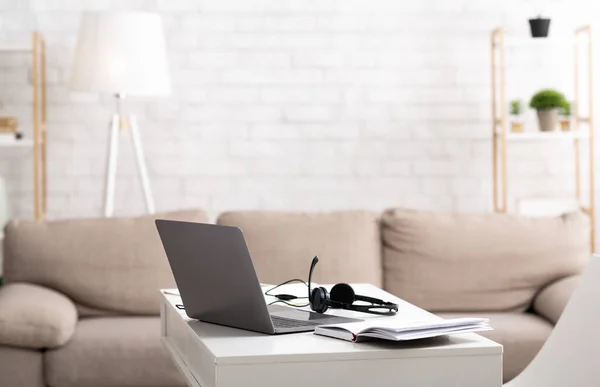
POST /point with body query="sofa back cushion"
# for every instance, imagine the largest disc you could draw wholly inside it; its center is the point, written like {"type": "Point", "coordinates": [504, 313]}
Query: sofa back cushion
{"type": "Point", "coordinates": [282, 244]}
{"type": "Point", "coordinates": [478, 262]}
{"type": "Point", "coordinates": [113, 265]}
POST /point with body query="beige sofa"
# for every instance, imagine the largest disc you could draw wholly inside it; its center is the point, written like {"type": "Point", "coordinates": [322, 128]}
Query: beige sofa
{"type": "Point", "coordinates": [80, 304]}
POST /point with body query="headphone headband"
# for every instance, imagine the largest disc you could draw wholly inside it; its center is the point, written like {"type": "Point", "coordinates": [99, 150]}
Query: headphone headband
{"type": "Point", "coordinates": [372, 300]}
{"type": "Point", "coordinates": [381, 308]}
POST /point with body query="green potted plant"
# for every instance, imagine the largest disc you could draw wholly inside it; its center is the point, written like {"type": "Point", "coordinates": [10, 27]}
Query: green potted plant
{"type": "Point", "coordinates": [516, 108]}
{"type": "Point", "coordinates": [565, 112]}
{"type": "Point", "coordinates": [547, 103]}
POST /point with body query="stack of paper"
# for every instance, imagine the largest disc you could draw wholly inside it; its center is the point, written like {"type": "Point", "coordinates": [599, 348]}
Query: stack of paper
{"type": "Point", "coordinates": [396, 330]}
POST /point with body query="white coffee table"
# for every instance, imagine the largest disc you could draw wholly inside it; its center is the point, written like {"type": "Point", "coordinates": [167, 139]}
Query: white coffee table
{"type": "Point", "coordinates": [210, 355]}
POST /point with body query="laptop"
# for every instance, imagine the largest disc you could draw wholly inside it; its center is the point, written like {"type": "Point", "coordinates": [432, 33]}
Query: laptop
{"type": "Point", "coordinates": [218, 283]}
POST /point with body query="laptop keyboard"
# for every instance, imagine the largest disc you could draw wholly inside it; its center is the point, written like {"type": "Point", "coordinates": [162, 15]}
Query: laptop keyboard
{"type": "Point", "coordinates": [282, 322]}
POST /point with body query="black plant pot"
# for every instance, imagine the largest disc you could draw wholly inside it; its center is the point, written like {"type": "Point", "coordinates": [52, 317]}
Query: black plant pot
{"type": "Point", "coordinates": [539, 27]}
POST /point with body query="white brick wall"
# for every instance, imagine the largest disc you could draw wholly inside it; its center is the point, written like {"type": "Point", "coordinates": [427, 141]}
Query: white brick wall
{"type": "Point", "coordinates": [287, 104]}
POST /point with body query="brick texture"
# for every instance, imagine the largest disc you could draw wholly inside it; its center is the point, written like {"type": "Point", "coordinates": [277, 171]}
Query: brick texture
{"type": "Point", "coordinates": [288, 104]}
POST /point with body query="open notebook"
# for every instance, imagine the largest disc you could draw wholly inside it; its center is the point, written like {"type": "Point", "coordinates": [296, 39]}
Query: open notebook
{"type": "Point", "coordinates": [402, 330]}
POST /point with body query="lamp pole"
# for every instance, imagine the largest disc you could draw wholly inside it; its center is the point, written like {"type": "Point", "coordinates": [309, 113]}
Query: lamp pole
{"type": "Point", "coordinates": [121, 122]}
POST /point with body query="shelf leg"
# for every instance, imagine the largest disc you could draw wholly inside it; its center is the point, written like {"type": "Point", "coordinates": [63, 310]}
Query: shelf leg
{"type": "Point", "coordinates": [576, 128]}
{"type": "Point", "coordinates": [36, 129]}
{"type": "Point", "coordinates": [44, 130]}
{"type": "Point", "coordinates": [591, 143]}
{"type": "Point", "coordinates": [503, 121]}
{"type": "Point", "coordinates": [494, 128]}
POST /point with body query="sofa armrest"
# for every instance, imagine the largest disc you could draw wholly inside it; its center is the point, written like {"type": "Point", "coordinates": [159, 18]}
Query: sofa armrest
{"type": "Point", "coordinates": [35, 317]}
{"type": "Point", "coordinates": [552, 300]}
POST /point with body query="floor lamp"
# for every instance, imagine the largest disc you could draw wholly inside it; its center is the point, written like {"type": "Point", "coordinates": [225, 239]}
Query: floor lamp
{"type": "Point", "coordinates": [122, 54]}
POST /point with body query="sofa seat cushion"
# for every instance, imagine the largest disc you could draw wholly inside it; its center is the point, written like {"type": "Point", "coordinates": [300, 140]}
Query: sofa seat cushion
{"type": "Point", "coordinates": [21, 367]}
{"type": "Point", "coordinates": [444, 262]}
{"type": "Point", "coordinates": [113, 351]}
{"type": "Point", "coordinates": [282, 244]}
{"type": "Point", "coordinates": [521, 334]}
{"type": "Point", "coordinates": [107, 264]}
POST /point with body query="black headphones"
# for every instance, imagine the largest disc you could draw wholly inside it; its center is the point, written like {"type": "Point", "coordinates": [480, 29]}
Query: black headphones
{"type": "Point", "coordinates": [342, 296]}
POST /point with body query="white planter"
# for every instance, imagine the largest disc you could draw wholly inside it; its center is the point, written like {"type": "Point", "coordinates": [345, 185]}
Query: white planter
{"type": "Point", "coordinates": [548, 119]}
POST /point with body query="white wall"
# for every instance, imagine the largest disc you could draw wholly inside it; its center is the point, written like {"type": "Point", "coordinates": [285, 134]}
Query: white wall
{"type": "Point", "coordinates": [297, 104]}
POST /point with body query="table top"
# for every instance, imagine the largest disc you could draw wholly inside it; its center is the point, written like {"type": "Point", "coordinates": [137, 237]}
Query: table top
{"type": "Point", "coordinates": [234, 346]}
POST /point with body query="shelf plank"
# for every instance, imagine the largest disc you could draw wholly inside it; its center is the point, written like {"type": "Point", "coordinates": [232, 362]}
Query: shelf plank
{"type": "Point", "coordinates": [7, 47]}
{"type": "Point", "coordinates": [546, 206]}
{"type": "Point", "coordinates": [545, 136]}
{"type": "Point", "coordinates": [529, 42]}
{"type": "Point", "coordinates": [7, 141]}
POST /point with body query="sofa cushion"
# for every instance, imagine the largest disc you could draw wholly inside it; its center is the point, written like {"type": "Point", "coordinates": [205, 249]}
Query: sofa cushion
{"type": "Point", "coordinates": [114, 264]}
{"type": "Point", "coordinates": [21, 367]}
{"type": "Point", "coordinates": [521, 334]}
{"type": "Point", "coordinates": [35, 317]}
{"type": "Point", "coordinates": [478, 262]}
{"type": "Point", "coordinates": [553, 299]}
{"type": "Point", "coordinates": [113, 351]}
{"type": "Point", "coordinates": [282, 244]}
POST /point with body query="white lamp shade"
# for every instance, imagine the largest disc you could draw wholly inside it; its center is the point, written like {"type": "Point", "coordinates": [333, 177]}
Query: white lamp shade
{"type": "Point", "coordinates": [121, 52]}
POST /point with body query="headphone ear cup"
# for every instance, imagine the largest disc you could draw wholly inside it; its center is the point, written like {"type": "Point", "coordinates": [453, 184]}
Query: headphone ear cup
{"type": "Point", "coordinates": [319, 300]}
{"type": "Point", "coordinates": [343, 294]}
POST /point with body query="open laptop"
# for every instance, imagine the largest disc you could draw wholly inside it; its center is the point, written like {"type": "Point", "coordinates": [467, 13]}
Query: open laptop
{"type": "Point", "coordinates": [218, 283]}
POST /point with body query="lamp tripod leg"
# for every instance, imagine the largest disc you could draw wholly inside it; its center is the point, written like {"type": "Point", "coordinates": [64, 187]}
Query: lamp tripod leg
{"type": "Point", "coordinates": [111, 167]}
{"type": "Point", "coordinates": [141, 163]}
